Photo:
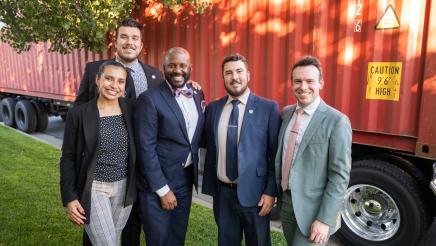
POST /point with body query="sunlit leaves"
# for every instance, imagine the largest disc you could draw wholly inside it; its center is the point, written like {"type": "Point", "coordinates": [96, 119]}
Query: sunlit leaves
{"type": "Point", "coordinates": [65, 24]}
{"type": "Point", "coordinates": [71, 24]}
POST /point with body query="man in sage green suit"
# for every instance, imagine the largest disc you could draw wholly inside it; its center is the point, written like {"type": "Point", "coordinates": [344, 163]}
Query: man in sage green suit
{"type": "Point", "coordinates": [318, 160]}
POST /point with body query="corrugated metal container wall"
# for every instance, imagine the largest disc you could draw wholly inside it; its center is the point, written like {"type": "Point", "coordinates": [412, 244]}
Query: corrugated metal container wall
{"type": "Point", "coordinates": [273, 35]}
{"type": "Point", "coordinates": [427, 121]}
{"type": "Point", "coordinates": [43, 74]}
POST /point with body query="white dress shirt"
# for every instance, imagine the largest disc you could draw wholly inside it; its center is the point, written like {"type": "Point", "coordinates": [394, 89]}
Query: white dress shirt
{"type": "Point", "coordinates": [222, 132]}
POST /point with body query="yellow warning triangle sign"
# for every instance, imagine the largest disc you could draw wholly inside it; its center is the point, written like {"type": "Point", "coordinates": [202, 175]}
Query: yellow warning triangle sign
{"type": "Point", "coordinates": [389, 19]}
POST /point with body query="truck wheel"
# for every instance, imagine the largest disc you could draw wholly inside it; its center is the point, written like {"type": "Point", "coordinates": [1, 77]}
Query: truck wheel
{"type": "Point", "coordinates": [7, 111]}
{"type": "Point", "coordinates": [382, 206]}
{"type": "Point", "coordinates": [41, 116]}
{"type": "Point", "coordinates": [25, 116]}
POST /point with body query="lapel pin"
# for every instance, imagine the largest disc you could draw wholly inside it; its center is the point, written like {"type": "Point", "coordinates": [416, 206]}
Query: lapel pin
{"type": "Point", "coordinates": [250, 111]}
{"type": "Point", "coordinates": [153, 76]}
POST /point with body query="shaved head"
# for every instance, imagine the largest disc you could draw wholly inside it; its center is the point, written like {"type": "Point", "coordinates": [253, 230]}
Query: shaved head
{"type": "Point", "coordinates": [175, 51]}
{"type": "Point", "coordinates": [177, 67]}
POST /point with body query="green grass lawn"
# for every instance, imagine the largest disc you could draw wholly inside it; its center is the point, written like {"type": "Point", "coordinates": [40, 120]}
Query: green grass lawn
{"type": "Point", "coordinates": [31, 211]}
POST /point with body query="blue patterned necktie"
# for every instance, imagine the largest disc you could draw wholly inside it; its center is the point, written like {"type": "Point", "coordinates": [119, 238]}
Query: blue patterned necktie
{"type": "Point", "coordinates": [232, 143]}
{"type": "Point", "coordinates": [139, 80]}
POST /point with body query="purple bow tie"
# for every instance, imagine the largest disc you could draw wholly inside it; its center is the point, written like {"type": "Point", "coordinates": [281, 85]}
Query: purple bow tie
{"type": "Point", "coordinates": [186, 92]}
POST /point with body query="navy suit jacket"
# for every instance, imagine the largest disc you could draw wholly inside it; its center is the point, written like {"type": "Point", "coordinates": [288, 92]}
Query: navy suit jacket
{"type": "Point", "coordinates": [162, 138]}
{"type": "Point", "coordinates": [256, 149]}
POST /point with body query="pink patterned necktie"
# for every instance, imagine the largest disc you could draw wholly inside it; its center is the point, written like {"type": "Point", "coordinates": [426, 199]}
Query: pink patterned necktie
{"type": "Point", "coordinates": [186, 92]}
{"type": "Point", "coordinates": [286, 168]}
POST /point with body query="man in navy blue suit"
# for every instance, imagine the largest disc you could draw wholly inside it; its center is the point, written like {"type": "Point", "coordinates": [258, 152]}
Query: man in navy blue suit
{"type": "Point", "coordinates": [240, 136]}
{"type": "Point", "coordinates": [168, 124]}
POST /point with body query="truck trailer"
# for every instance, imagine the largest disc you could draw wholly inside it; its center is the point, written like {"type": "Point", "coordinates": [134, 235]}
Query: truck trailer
{"type": "Point", "coordinates": [379, 62]}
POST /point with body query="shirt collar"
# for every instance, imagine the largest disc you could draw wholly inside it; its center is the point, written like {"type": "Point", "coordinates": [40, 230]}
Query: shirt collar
{"type": "Point", "coordinates": [132, 65]}
{"type": "Point", "coordinates": [243, 98]}
{"type": "Point", "coordinates": [171, 87]}
{"type": "Point", "coordinates": [311, 108]}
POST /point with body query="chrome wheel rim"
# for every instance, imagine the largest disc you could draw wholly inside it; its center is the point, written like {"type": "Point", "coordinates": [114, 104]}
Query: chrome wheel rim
{"type": "Point", "coordinates": [370, 212]}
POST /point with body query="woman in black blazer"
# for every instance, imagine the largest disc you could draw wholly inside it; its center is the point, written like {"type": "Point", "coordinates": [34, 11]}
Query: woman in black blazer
{"type": "Point", "coordinates": [98, 159]}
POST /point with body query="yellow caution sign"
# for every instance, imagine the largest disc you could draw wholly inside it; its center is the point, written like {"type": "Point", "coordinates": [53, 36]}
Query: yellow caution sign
{"type": "Point", "coordinates": [389, 19]}
{"type": "Point", "coordinates": [384, 79]}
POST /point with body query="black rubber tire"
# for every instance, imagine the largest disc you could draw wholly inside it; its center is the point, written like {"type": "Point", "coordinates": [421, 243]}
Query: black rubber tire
{"type": "Point", "coordinates": [407, 195]}
{"type": "Point", "coordinates": [42, 117]}
{"type": "Point", "coordinates": [25, 116]}
{"type": "Point", "coordinates": [7, 111]}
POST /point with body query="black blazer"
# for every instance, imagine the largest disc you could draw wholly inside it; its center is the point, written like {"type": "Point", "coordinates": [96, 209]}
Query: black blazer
{"type": "Point", "coordinates": [79, 153]}
{"type": "Point", "coordinates": [88, 88]}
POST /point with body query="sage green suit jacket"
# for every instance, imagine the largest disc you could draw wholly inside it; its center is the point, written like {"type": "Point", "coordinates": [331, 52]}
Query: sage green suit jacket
{"type": "Point", "coordinates": [321, 169]}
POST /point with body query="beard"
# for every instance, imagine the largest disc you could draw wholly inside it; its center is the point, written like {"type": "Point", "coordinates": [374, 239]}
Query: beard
{"type": "Point", "coordinates": [235, 92]}
{"type": "Point", "coordinates": [127, 58]}
{"type": "Point", "coordinates": [170, 77]}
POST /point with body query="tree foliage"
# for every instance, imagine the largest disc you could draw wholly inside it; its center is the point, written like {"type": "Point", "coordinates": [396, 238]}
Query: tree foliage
{"type": "Point", "coordinates": [199, 5]}
{"type": "Point", "coordinates": [68, 24]}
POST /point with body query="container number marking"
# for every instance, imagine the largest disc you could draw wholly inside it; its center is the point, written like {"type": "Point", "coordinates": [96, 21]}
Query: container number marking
{"type": "Point", "coordinates": [358, 16]}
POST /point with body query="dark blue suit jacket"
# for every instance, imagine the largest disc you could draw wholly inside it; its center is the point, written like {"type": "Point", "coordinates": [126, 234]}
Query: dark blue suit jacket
{"type": "Point", "coordinates": [256, 149]}
{"type": "Point", "coordinates": [162, 139]}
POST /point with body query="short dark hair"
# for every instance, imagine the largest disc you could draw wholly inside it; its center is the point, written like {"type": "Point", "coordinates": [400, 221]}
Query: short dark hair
{"type": "Point", "coordinates": [130, 23]}
{"type": "Point", "coordinates": [234, 57]}
{"type": "Point", "coordinates": [308, 61]}
{"type": "Point", "coordinates": [109, 63]}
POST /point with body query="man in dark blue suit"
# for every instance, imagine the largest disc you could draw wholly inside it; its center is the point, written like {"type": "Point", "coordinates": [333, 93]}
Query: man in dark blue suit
{"type": "Point", "coordinates": [240, 136]}
{"type": "Point", "coordinates": [168, 123]}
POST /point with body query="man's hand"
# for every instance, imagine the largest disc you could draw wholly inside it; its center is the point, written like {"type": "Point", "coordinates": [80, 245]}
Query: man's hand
{"type": "Point", "coordinates": [75, 212]}
{"type": "Point", "coordinates": [318, 232]}
{"type": "Point", "coordinates": [266, 203]}
{"type": "Point", "coordinates": [195, 85]}
{"type": "Point", "coordinates": [168, 201]}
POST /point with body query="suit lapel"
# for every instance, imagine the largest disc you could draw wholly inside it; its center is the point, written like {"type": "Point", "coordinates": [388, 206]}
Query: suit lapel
{"type": "Point", "coordinates": [130, 91]}
{"type": "Point", "coordinates": [91, 121]}
{"type": "Point", "coordinates": [198, 99]}
{"type": "Point", "coordinates": [250, 110]}
{"type": "Point", "coordinates": [218, 111]}
{"type": "Point", "coordinates": [314, 125]}
{"type": "Point", "coordinates": [151, 77]}
{"type": "Point", "coordinates": [286, 119]}
{"type": "Point", "coordinates": [129, 123]}
{"type": "Point", "coordinates": [172, 103]}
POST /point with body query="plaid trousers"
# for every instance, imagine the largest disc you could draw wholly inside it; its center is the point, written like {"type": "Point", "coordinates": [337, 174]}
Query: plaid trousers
{"type": "Point", "coordinates": [108, 214]}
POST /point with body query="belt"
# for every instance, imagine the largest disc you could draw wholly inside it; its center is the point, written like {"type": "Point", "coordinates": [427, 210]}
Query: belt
{"type": "Point", "coordinates": [228, 185]}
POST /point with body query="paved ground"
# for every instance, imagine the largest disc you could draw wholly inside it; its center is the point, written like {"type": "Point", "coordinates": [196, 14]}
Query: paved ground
{"type": "Point", "coordinates": [54, 134]}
